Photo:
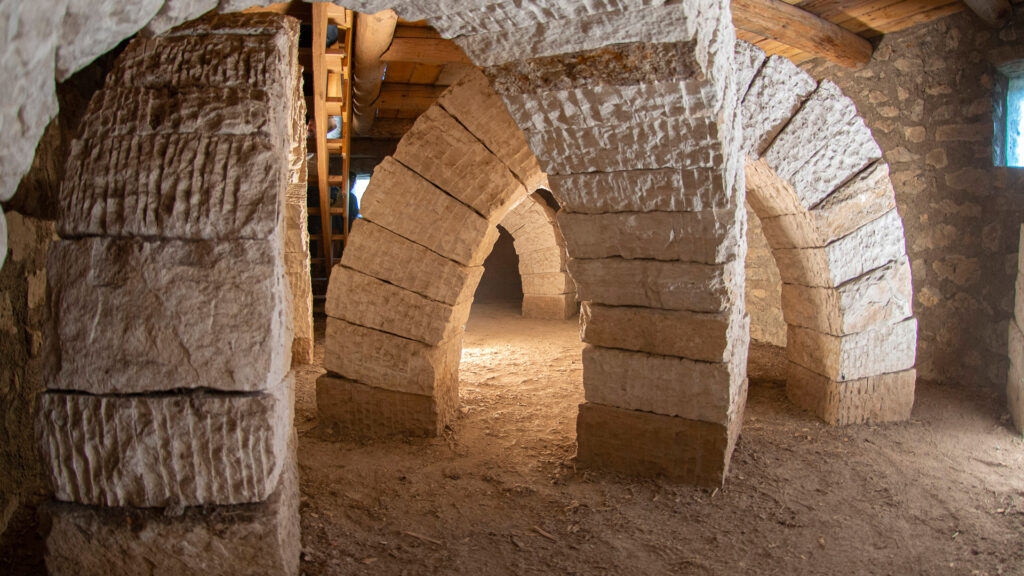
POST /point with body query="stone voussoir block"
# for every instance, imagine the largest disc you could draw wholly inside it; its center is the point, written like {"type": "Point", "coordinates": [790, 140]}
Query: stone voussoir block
{"type": "Point", "coordinates": [863, 199]}
{"type": "Point", "coordinates": [133, 316]}
{"type": "Point", "coordinates": [543, 261]}
{"type": "Point", "coordinates": [550, 306]}
{"type": "Point", "coordinates": [553, 283]}
{"type": "Point", "coordinates": [773, 98]}
{"type": "Point", "coordinates": [880, 350]}
{"type": "Point", "coordinates": [355, 409]}
{"type": "Point", "coordinates": [880, 398]}
{"type": "Point", "coordinates": [191, 449]}
{"type": "Point", "coordinates": [667, 190]}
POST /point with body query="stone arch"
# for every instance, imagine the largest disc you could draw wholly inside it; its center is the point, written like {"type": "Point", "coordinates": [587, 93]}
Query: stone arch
{"type": "Point", "coordinates": [548, 290]}
{"type": "Point", "coordinates": [816, 179]}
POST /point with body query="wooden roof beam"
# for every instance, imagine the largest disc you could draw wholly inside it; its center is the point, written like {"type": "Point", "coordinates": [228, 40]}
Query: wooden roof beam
{"type": "Point", "coordinates": [801, 29]}
{"type": "Point", "coordinates": [995, 13]}
{"type": "Point", "coordinates": [424, 51]}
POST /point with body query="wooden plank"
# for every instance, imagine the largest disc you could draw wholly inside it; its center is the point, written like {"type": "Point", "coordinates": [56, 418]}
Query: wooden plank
{"type": "Point", "coordinates": [408, 96]}
{"type": "Point", "coordinates": [870, 18]}
{"type": "Point", "coordinates": [390, 127]}
{"type": "Point", "coordinates": [320, 119]}
{"type": "Point", "coordinates": [424, 51]}
{"type": "Point", "coordinates": [801, 29]}
{"type": "Point", "coordinates": [407, 31]}
{"type": "Point", "coordinates": [347, 133]}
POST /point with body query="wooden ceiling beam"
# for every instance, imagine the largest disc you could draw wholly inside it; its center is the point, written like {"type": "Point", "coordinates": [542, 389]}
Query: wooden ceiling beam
{"type": "Point", "coordinates": [799, 28]}
{"type": "Point", "coordinates": [995, 13]}
{"type": "Point", "coordinates": [424, 51]}
{"type": "Point", "coordinates": [396, 96]}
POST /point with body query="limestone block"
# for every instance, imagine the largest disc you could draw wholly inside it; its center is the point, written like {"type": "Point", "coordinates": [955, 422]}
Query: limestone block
{"type": "Point", "coordinates": [848, 151]}
{"type": "Point", "coordinates": [191, 449]}
{"type": "Point", "coordinates": [175, 12]}
{"type": "Point", "coordinates": [866, 197]}
{"type": "Point", "coordinates": [474, 103]}
{"type": "Point", "coordinates": [549, 283]}
{"type": "Point", "coordinates": [390, 362]}
{"type": "Point", "coordinates": [401, 201]}
{"type": "Point", "coordinates": [708, 237]}
{"type": "Point", "coordinates": [183, 186]}
{"type": "Point", "coordinates": [244, 539]}
{"type": "Point", "coordinates": [131, 316]}
{"type": "Point", "coordinates": [749, 59]}
{"type": "Point", "coordinates": [364, 300]}
{"type": "Point", "coordinates": [378, 252]}
{"type": "Point", "coordinates": [642, 443]}
{"type": "Point", "coordinates": [441, 150]}
{"type": "Point", "coordinates": [881, 398]}
{"type": "Point", "coordinates": [528, 211]}
{"type": "Point", "coordinates": [880, 350]}
{"type": "Point", "coordinates": [90, 29]}
{"type": "Point", "coordinates": [355, 409]}
{"type": "Point", "coordinates": [542, 261]}
{"type": "Point", "coordinates": [667, 190]}
{"type": "Point", "coordinates": [768, 194]}
{"type": "Point", "coordinates": [773, 98]}
{"type": "Point", "coordinates": [698, 336]}
{"type": "Point", "coordinates": [537, 236]}
{"type": "Point", "coordinates": [882, 296]}
{"type": "Point", "coordinates": [300, 288]}
{"type": "Point", "coordinates": [1015, 376]}
{"type": "Point", "coordinates": [866, 249]}
{"type": "Point", "coordinates": [550, 306]}
{"type": "Point", "coordinates": [654, 284]}
{"type": "Point", "coordinates": [664, 384]}
{"type": "Point", "coordinates": [824, 113]}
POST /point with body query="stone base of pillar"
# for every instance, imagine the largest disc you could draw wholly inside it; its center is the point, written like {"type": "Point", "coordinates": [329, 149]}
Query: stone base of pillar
{"type": "Point", "coordinates": [647, 444]}
{"type": "Point", "coordinates": [355, 409]}
{"type": "Point", "coordinates": [241, 540]}
{"type": "Point", "coordinates": [882, 398]}
{"type": "Point", "coordinates": [550, 307]}
{"type": "Point", "coordinates": [302, 351]}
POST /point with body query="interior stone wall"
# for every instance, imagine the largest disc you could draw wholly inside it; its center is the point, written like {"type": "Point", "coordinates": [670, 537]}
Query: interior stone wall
{"type": "Point", "coordinates": [927, 97]}
{"type": "Point", "coordinates": [763, 288]}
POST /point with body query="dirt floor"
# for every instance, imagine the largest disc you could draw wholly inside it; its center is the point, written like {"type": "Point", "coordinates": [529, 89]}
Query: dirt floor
{"type": "Point", "coordinates": [499, 494]}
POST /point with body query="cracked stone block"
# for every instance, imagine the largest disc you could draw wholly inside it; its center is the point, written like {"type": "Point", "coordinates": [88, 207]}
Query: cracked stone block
{"type": "Point", "coordinates": [367, 301]}
{"type": "Point", "coordinates": [863, 199]}
{"type": "Point", "coordinates": [244, 539]}
{"type": "Point", "coordinates": [403, 202]}
{"type": "Point", "coordinates": [880, 398]}
{"type": "Point", "coordinates": [666, 385]}
{"type": "Point", "coordinates": [847, 152]}
{"type": "Point", "coordinates": [708, 237]}
{"type": "Point", "coordinates": [191, 449]}
{"type": "Point", "coordinates": [667, 190]}
{"type": "Point", "coordinates": [390, 362]}
{"type": "Point", "coordinates": [882, 296]}
{"type": "Point", "coordinates": [655, 284]}
{"type": "Point", "coordinates": [378, 252]}
{"type": "Point", "coordinates": [880, 350]}
{"type": "Point", "coordinates": [355, 409]}
{"type": "Point", "coordinates": [774, 96]}
{"type": "Point", "coordinates": [132, 316]}
{"type": "Point", "coordinates": [714, 337]}
{"type": "Point", "coordinates": [550, 306]}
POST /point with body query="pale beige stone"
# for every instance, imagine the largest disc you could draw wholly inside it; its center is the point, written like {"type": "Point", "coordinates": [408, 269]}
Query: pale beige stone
{"type": "Point", "coordinates": [654, 284]}
{"type": "Point", "coordinates": [191, 449]}
{"type": "Point", "coordinates": [773, 97]}
{"type": "Point", "coordinates": [548, 283]}
{"type": "Point", "coordinates": [550, 306]}
{"type": "Point", "coordinates": [529, 210]}
{"type": "Point", "coordinates": [175, 12]}
{"type": "Point", "coordinates": [133, 316]}
{"type": "Point", "coordinates": [403, 202]}
{"type": "Point", "coordinates": [543, 261]}
{"type": "Point", "coordinates": [668, 189]}
{"type": "Point", "coordinates": [880, 350]}
{"type": "Point", "coordinates": [848, 151]}
{"type": "Point", "coordinates": [390, 362]}
{"type": "Point", "coordinates": [882, 398]}
{"type": "Point", "coordinates": [749, 59]}
{"type": "Point", "coordinates": [714, 337]}
{"type": "Point", "coordinates": [865, 198]}
{"type": "Point", "coordinates": [380, 253]}
{"type": "Point", "coordinates": [537, 236]}
{"type": "Point", "coordinates": [768, 194]}
{"type": "Point", "coordinates": [91, 28]}
{"type": "Point", "coordinates": [364, 300]}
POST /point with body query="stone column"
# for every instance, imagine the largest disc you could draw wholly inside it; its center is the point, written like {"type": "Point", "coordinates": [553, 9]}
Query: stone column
{"type": "Point", "coordinates": [297, 257]}
{"type": "Point", "coordinates": [166, 427]}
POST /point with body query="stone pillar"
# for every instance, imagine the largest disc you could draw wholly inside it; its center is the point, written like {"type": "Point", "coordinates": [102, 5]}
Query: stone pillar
{"type": "Point", "coordinates": [1015, 378]}
{"type": "Point", "coordinates": [638, 134]}
{"type": "Point", "coordinates": [166, 427]}
{"type": "Point", "coordinates": [296, 246]}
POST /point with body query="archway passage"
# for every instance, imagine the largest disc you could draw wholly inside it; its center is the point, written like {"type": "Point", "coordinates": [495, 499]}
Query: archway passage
{"type": "Point", "coordinates": [815, 178]}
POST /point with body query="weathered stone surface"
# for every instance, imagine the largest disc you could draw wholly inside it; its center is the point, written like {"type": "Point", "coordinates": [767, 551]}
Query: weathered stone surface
{"type": "Point", "coordinates": [668, 190]}
{"type": "Point", "coordinates": [866, 197]}
{"type": "Point", "coordinates": [364, 300]}
{"type": "Point", "coordinates": [697, 336]}
{"type": "Point", "coordinates": [297, 263]}
{"type": "Point", "coordinates": [132, 316]}
{"type": "Point", "coordinates": [380, 253]}
{"type": "Point", "coordinates": [709, 237]}
{"type": "Point", "coordinates": [881, 398]}
{"type": "Point", "coordinates": [633, 442]}
{"type": "Point", "coordinates": [187, 449]}
{"type": "Point", "coordinates": [882, 296]}
{"type": "Point", "coordinates": [244, 539]}
{"type": "Point", "coordinates": [768, 194]}
{"type": "Point", "coordinates": [550, 306]}
{"type": "Point", "coordinates": [441, 150]}
{"type": "Point", "coordinates": [655, 284]}
{"type": "Point", "coordinates": [90, 29]}
{"type": "Point", "coordinates": [664, 384]}
{"type": "Point", "coordinates": [848, 151]}
{"type": "Point", "coordinates": [866, 249]}
{"type": "Point", "coordinates": [749, 59]}
{"type": "Point", "coordinates": [773, 97]}
{"type": "Point", "coordinates": [529, 211]}
{"type": "Point", "coordinates": [537, 236]}
{"type": "Point", "coordinates": [390, 362]}
{"type": "Point", "coordinates": [542, 261]}
{"type": "Point", "coordinates": [1015, 376]}
{"type": "Point", "coordinates": [175, 12]}
{"type": "Point", "coordinates": [355, 409]}
{"type": "Point", "coordinates": [881, 350]}
{"type": "Point", "coordinates": [762, 288]}
{"type": "Point", "coordinates": [549, 283]}
{"type": "Point", "coordinates": [401, 201]}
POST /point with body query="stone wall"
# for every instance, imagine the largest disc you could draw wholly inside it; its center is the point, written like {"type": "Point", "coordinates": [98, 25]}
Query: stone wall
{"type": "Point", "coordinates": [763, 288]}
{"type": "Point", "coordinates": [927, 97]}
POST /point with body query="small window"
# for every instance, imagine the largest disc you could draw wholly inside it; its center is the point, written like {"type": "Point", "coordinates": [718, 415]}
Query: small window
{"type": "Point", "coordinates": [1009, 116]}
{"type": "Point", "coordinates": [362, 181]}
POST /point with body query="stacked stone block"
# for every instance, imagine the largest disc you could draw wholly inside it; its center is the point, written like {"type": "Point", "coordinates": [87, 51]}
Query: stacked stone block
{"type": "Point", "coordinates": [548, 291]}
{"type": "Point", "coordinates": [1015, 377]}
{"type": "Point", "coordinates": [398, 301]}
{"type": "Point", "coordinates": [816, 180]}
{"type": "Point", "coordinates": [640, 142]}
{"type": "Point", "coordinates": [166, 425]}
{"type": "Point", "coordinates": [296, 246]}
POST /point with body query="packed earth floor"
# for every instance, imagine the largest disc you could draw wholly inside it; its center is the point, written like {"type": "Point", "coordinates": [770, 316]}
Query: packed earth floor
{"type": "Point", "coordinates": [500, 494]}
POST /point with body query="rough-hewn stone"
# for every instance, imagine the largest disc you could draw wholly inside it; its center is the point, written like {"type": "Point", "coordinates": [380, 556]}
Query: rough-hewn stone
{"type": "Point", "coordinates": [848, 151]}
{"type": "Point", "coordinates": [882, 398]}
{"type": "Point", "coordinates": [866, 197]}
{"type": "Point", "coordinates": [549, 306]}
{"type": "Point", "coordinates": [552, 259]}
{"type": "Point", "coordinates": [166, 450]}
{"type": "Point", "coordinates": [175, 12]}
{"type": "Point", "coordinates": [748, 59]}
{"type": "Point", "coordinates": [773, 97]}
{"type": "Point", "coordinates": [881, 350]}
{"type": "Point", "coordinates": [548, 283]}
{"type": "Point", "coordinates": [135, 316]}
{"type": "Point", "coordinates": [654, 284]}
{"type": "Point", "coordinates": [91, 28]}
{"type": "Point", "coordinates": [355, 409]}
{"type": "Point", "coordinates": [668, 189]}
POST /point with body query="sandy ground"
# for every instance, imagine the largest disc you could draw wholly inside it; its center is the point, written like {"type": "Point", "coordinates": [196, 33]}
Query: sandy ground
{"type": "Point", "coordinates": [500, 494]}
